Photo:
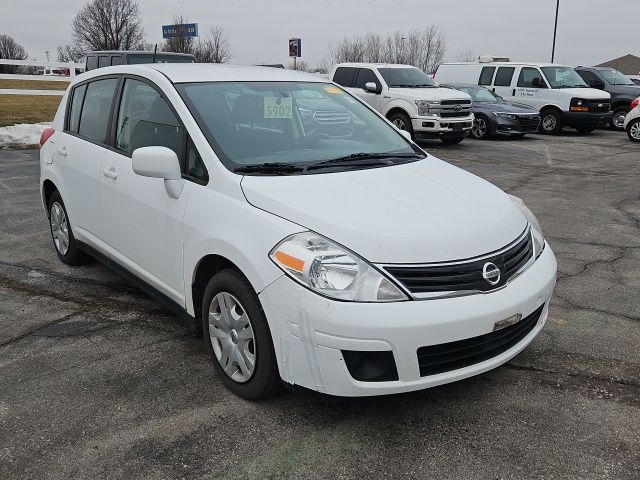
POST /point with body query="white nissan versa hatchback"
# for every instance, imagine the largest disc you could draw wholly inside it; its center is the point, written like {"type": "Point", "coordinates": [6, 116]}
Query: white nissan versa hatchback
{"type": "Point", "coordinates": [344, 260]}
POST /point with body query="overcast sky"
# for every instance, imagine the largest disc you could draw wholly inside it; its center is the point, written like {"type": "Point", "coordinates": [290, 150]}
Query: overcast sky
{"type": "Point", "coordinates": [589, 31]}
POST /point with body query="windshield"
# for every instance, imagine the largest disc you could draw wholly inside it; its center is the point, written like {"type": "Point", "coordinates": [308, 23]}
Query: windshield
{"type": "Point", "coordinates": [563, 77]}
{"type": "Point", "coordinates": [286, 124]}
{"type": "Point", "coordinates": [409, 77]}
{"type": "Point", "coordinates": [614, 77]}
{"type": "Point", "coordinates": [479, 94]}
{"type": "Point", "coordinates": [160, 58]}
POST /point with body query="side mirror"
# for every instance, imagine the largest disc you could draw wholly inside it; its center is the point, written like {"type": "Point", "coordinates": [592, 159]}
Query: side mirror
{"type": "Point", "coordinates": [159, 162]}
{"type": "Point", "coordinates": [372, 87]}
{"type": "Point", "coordinates": [596, 84]}
{"type": "Point", "coordinates": [537, 83]}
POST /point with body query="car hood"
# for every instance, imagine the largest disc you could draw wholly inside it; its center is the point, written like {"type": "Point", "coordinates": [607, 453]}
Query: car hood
{"type": "Point", "coordinates": [631, 90]}
{"type": "Point", "coordinates": [586, 93]}
{"type": "Point", "coordinates": [503, 107]}
{"type": "Point", "coordinates": [424, 211]}
{"type": "Point", "coordinates": [437, 93]}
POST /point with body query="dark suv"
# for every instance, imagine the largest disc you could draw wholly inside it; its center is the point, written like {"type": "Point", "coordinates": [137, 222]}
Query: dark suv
{"type": "Point", "coordinates": [124, 57]}
{"type": "Point", "coordinates": [622, 89]}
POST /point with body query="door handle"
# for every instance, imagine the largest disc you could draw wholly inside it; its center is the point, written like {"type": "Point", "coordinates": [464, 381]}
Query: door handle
{"type": "Point", "coordinates": [513, 93]}
{"type": "Point", "coordinates": [110, 172]}
{"type": "Point", "coordinates": [62, 151]}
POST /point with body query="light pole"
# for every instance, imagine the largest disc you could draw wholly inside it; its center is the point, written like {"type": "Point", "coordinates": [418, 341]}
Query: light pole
{"type": "Point", "coordinates": [555, 29]}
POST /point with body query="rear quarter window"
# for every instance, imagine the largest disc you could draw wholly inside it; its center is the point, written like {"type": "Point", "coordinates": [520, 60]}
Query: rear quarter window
{"type": "Point", "coordinates": [76, 107]}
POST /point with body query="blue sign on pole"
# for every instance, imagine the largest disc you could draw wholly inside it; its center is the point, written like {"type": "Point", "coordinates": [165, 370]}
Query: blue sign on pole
{"type": "Point", "coordinates": [183, 30]}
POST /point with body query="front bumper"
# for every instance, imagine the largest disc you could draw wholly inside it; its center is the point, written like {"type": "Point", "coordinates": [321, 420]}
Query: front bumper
{"type": "Point", "coordinates": [586, 119]}
{"type": "Point", "coordinates": [435, 126]}
{"type": "Point", "coordinates": [310, 332]}
{"type": "Point", "coordinates": [507, 126]}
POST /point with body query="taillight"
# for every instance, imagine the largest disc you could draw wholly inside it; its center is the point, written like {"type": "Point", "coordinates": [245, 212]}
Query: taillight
{"type": "Point", "coordinates": [635, 103]}
{"type": "Point", "coordinates": [46, 134]}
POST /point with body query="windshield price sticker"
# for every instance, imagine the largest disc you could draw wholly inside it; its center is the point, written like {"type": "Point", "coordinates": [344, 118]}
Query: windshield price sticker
{"type": "Point", "coordinates": [278, 107]}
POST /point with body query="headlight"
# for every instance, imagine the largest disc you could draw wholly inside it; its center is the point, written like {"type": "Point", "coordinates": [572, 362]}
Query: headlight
{"type": "Point", "coordinates": [305, 112]}
{"type": "Point", "coordinates": [330, 270]}
{"type": "Point", "coordinates": [423, 106]}
{"type": "Point", "coordinates": [536, 231]}
{"type": "Point", "coordinates": [504, 115]}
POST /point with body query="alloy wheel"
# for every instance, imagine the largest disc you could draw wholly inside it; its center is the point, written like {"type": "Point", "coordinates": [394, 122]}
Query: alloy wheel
{"type": "Point", "coordinates": [634, 130]}
{"type": "Point", "coordinates": [618, 119]}
{"type": "Point", "coordinates": [59, 228]}
{"type": "Point", "coordinates": [479, 128]}
{"type": "Point", "coordinates": [232, 337]}
{"type": "Point", "coordinates": [399, 124]}
{"type": "Point", "coordinates": [549, 122]}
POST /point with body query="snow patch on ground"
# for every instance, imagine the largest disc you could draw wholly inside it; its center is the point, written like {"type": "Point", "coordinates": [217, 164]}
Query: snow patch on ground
{"type": "Point", "coordinates": [22, 134]}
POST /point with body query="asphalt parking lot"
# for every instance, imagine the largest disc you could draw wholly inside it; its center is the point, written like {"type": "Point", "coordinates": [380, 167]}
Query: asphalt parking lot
{"type": "Point", "coordinates": [99, 381]}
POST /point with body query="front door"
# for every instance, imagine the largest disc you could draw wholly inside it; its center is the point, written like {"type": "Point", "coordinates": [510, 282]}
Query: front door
{"type": "Point", "coordinates": [142, 223]}
{"type": "Point", "coordinates": [364, 76]}
{"type": "Point", "coordinates": [531, 87]}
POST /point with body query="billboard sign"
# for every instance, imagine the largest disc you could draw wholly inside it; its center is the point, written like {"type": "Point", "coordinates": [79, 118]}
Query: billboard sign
{"type": "Point", "coordinates": [183, 30]}
{"type": "Point", "coordinates": [295, 47]}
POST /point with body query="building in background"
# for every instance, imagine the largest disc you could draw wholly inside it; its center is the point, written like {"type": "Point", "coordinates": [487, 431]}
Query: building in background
{"type": "Point", "coordinates": [627, 64]}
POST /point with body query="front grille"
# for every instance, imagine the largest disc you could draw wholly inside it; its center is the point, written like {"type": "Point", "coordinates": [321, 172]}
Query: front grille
{"type": "Point", "coordinates": [327, 116]}
{"type": "Point", "coordinates": [529, 122]}
{"type": "Point", "coordinates": [597, 106]}
{"type": "Point", "coordinates": [450, 356]}
{"type": "Point", "coordinates": [455, 102]}
{"type": "Point", "coordinates": [464, 275]}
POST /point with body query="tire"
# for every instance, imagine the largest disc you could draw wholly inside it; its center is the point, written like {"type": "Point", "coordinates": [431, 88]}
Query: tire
{"type": "Point", "coordinates": [239, 338]}
{"type": "Point", "coordinates": [551, 122]}
{"type": "Point", "coordinates": [61, 233]}
{"type": "Point", "coordinates": [480, 129]}
{"type": "Point", "coordinates": [402, 122]}
{"type": "Point", "coordinates": [633, 130]}
{"type": "Point", "coordinates": [452, 140]}
{"type": "Point", "coordinates": [617, 119]}
{"type": "Point", "coordinates": [585, 129]}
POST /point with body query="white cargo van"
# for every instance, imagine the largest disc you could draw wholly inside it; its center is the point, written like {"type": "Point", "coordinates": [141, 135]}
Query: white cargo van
{"type": "Point", "coordinates": [562, 97]}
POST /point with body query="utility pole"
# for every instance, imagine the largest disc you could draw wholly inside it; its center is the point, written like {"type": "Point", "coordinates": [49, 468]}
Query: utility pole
{"type": "Point", "coordinates": [555, 29]}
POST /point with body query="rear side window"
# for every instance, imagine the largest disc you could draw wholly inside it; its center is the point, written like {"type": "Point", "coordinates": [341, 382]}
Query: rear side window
{"type": "Point", "coordinates": [504, 76]}
{"type": "Point", "coordinates": [146, 120]}
{"type": "Point", "coordinates": [94, 120]}
{"type": "Point", "coordinates": [116, 60]}
{"type": "Point", "coordinates": [365, 75]}
{"type": "Point", "coordinates": [92, 62]}
{"type": "Point", "coordinates": [103, 61]}
{"type": "Point", "coordinates": [76, 107]}
{"type": "Point", "coordinates": [527, 74]}
{"type": "Point", "coordinates": [486, 75]}
{"type": "Point", "coordinates": [344, 76]}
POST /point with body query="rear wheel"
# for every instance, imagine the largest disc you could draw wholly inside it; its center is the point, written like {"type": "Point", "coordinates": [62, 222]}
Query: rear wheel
{"type": "Point", "coordinates": [61, 233]}
{"type": "Point", "coordinates": [402, 122]}
{"type": "Point", "coordinates": [550, 122]}
{"type": "Point", "coordinates": [633, 130]}
{"type": "Point", "coordinates": [237, 336]}
{"type": "Point", "coordinates": [452, 140]}
{"type": "Point", "coordinates": [617, 120]}
{"type": "Point", "coordinates": [480, 128]}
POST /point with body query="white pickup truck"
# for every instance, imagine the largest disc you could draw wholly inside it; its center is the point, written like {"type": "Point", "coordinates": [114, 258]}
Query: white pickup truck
{"type": "Point", "coordinates": [409, 99]}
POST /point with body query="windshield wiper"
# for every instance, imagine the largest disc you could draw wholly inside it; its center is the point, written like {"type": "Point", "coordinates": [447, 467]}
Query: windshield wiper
{"type": "Point", "coordinates": [274, 168]}
{"type": "Point", "coordinates": [364, 159]}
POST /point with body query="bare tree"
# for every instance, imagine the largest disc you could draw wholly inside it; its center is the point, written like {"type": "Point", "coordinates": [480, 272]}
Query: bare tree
{"type": "Point", "coordinates": [11, 50]}
{"type": "Point", "coordinates": [181, 42]}
{"type": "Point", "coordinates": [108, 25]}
{"type": "Point", "coordinates": [214, 48]}
{"type": "Point", "coordinates": [424, 49]}
{"type": "Point", "coordinates": [466, 56]}
{"type": "Point", "coordinates": [68, 53]}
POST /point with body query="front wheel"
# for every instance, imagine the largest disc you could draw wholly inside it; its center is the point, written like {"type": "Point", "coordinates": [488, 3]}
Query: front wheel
{"type": "Point", "coordinates": [551, 122]}
{"type": "Point", "coordinates": [237, 336]}
{"type": "Point", "coordinates": [402, 122]}
{"type": "Point", "coordinates": [480, 128]}
{"type": "Point", "coordinates": [633, 130]}
{"type": "Point", "coordinates": [452, 140]}
{"type": "Point", "coordinates": [617, 120]}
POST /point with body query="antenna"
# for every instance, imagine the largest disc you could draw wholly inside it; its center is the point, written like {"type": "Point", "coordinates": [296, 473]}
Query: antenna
{"type": "Point", "coordinates": [155, 49]}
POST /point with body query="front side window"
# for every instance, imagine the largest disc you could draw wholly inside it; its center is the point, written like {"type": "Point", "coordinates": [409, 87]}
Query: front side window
{"type": "Point", "coordinates": [563, 77]}
{"type": "Point", "coordinates": [76, 107]}
{"type": "Point", "coordinates": [504, 76]}
{"type": "Point", "coordinates": [145, 120]}
{"type": "Point", "coordinates": [530, 78]}
{"type": "Point", "coordinates": [94, 119]}
{"type": "Point", "coordinates": [365, 75]}
{"type": "Point", "coordinates": [486, 75]}
{"type": "Point", "coordinates": [589, 78]}
{"type": "Point", "coordinates": [290, 124]}
{"type": "Point", "coordinates": [409, 77]}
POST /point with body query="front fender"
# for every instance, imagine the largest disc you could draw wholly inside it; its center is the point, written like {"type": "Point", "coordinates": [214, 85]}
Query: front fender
{"type": "Point", "coordinates": [401, 103]}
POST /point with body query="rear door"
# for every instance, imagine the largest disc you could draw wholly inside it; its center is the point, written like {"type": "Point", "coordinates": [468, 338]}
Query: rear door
{"type": "Point", "coordinates": [502, 82]}
{"type": "Point", "coordinates": [79, 152]}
